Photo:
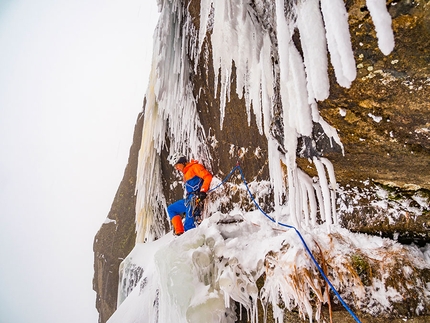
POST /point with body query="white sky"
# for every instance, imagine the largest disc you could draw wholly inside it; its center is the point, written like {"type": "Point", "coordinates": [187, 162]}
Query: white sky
{"type": "Point", "coordinates": [72, 79]}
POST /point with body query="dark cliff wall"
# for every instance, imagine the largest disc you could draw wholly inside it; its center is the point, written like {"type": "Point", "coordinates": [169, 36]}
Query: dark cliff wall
{"type": "Point", "coordinates": [116, 237]}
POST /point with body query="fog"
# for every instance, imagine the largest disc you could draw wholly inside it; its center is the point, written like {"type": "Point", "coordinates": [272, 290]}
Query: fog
{"type": "Point", "coordinates": [73, 76]}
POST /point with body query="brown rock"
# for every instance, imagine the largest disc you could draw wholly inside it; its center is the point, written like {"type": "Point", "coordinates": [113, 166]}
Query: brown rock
{"type": "Point", "coordinates": [116, 237]}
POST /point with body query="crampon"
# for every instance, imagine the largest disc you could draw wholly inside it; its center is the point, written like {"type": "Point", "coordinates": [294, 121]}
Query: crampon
{"type": "Point", "coordinates": [197, 207]}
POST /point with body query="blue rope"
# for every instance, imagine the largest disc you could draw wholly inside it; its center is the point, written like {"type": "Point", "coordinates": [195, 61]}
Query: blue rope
{"type": "Point", "coordinates": [225, 179]}
{"type": "Point", "coordinates": [298, 233]}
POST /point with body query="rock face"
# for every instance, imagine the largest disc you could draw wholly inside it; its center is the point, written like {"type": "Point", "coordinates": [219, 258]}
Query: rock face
{"type": "Point", "coordinates": [383, 121]}
{"type": "Point", "coordinates": [117, 236]}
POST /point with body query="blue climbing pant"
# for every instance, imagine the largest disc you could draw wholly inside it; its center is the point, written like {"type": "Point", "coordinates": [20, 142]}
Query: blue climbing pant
{"type": "Point", "coordinates": [181, 207]}
{"type": "Point", "coordinates": [184, 206]}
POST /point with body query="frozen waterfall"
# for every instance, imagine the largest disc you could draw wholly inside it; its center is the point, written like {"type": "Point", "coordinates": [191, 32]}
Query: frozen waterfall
{"type": "Point", "coordinates": [239, 34]}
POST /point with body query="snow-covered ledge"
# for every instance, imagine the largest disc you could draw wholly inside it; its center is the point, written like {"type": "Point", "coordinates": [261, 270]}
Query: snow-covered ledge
{"type": "Point", "coordinates": [204, 274]}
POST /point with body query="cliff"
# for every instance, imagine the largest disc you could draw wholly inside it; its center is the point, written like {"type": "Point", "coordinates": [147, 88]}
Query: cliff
{"type": "Point", "coordinates": [117, 235]}
{"type": "Point", "coordinates": [382, 119]}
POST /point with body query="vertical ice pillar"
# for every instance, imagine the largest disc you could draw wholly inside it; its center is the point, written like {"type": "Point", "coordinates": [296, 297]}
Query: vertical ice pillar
{"type": "Point", "coordinates": [170, 113]}
{"type": "Point", "coordinates": [150, 202]}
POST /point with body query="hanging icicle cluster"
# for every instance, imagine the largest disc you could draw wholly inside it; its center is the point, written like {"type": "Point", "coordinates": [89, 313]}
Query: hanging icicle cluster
{"type": "Point", "coordinates": [170, 112]}
{"type": "Point", "coordinates": [257, 36]}
{"type": "Point", "coordinates": [242, 33]}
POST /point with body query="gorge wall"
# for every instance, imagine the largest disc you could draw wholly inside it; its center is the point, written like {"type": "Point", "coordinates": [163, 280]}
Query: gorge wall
{"type": "Point", "coordinates": [383, 121]}
{"type": "Point", "coordinates": [117, 235]}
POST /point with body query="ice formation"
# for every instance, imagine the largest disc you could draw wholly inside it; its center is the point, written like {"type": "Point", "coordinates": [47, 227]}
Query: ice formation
{"type": "Point", "coordinates": [249, 34]}
{"type": "Point", "coordinates": [213, 273]}
{"type": "Point", "coordinates": [170, 109]}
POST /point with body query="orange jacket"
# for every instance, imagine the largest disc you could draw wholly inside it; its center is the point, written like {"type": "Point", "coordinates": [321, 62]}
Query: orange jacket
{"type": "Point", "coordinates": [192, 169]}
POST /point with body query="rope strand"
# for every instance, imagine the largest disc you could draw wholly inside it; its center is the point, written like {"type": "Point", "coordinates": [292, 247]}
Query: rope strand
{"type": "Point", "coordinates": [225, 179]}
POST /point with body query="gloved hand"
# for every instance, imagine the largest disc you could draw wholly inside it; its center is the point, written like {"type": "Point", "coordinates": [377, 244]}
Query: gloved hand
{"type": "Point", "coordinates": [201, 195]}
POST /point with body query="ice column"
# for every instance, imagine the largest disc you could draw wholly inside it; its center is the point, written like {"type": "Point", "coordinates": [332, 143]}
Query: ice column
{"type": "Point", "coordinates": [170, 112]}
{"type": "Point", "coordinates": [149, 197]}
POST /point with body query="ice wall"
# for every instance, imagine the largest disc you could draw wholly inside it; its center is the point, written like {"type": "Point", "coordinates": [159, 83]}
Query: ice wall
{"type": "Point", "coordinates": [257, 36]}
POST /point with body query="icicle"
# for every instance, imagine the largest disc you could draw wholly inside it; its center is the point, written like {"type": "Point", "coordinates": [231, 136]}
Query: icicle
{"type": "Point", "coordinates": [221, 51]}
{"type": "Point", "coordinates": [253, 79]}
{"type": "Point", "coordinates": [313, 41]}
{"type": "Point", "coordinates": [266, 84]}
{"type": "Point", "coordinates": [275, 171]}
{"type": "Point", "coordinates": [293, 196]}
{"type": "Point", "coordinates": [382, 20]}
{"type": "Point", "coordinates": [330, 170]}
{"type": "Point", "coordinates": [236, 38]}
{"type": "Point", "coordinates": [305, 208]}
{"type": "Point", "coordinates": [284, 34]}
{"type": "Point", "coordinates": [325, 192]}
{"type": "Point", "coordinates": [307, 184]}
{"type": "Point", "coordinates": [320, 200]}
{"type": "Point", "coordinates": [338, 41]}
{"type": "Point", "coordinates": [205, 10]}
{"type": "Point", "coordinates": [254, 97]}
{"type": "Point", "coordinates": [299, 110]}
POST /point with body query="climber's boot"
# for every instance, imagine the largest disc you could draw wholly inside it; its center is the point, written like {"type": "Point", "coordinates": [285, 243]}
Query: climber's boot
{"type": "Point", "coordinates": [178, 226]}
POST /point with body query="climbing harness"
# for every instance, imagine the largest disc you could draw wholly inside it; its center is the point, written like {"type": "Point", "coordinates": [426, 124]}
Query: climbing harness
{"type": "Point", "coordinates": [197, 208]}
{"type": "Point", "coordinates": [237, 167]}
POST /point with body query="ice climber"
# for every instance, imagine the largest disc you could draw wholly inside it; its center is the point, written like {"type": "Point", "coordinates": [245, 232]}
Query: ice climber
{"type": "Point", "coordinates": [197, 180]}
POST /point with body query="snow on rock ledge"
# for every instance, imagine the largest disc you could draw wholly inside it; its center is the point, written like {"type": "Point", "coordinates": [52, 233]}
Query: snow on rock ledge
{"type": "Point", "coordinates": [203, 275]}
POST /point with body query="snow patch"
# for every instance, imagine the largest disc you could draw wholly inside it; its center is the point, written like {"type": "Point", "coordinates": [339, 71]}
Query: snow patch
{"type": "Point", "coordinates": [107, 221]}
{"type": "Point", "coordinates": [377, 119]}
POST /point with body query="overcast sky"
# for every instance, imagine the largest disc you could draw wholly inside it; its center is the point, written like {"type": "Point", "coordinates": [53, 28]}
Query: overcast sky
{"type": "Point", "coordinates": [72, 79]}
